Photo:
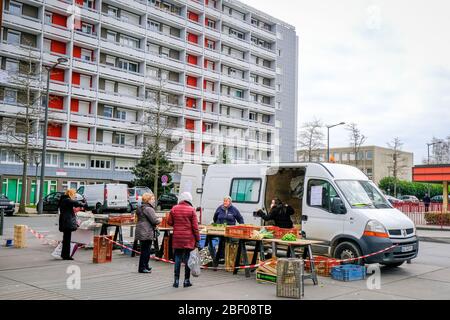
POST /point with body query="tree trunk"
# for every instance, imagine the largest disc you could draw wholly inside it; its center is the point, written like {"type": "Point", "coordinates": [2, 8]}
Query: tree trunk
{"type": "Point", "coordinates": [24, 187]}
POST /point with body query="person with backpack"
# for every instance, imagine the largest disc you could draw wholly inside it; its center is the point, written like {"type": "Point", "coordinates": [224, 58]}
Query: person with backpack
{"type": "Point", "coordinates": [280, 213]}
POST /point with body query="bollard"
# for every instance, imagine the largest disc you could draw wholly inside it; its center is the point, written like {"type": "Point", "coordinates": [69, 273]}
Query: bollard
{"type": "Point", "coordinates": [2, 215]}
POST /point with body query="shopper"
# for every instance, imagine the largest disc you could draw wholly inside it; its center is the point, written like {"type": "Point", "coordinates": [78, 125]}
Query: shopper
{"type": "Point", "coordinates": [146, 230]}
{"type": "Point", "coordinates": [68, 219]}
{"type": "Point", "coordinates": [186, 236]}
{"type": "Point", "coordinates": [280, 213]}
{"type": "Point", "coordinates": [427, 201]}
{"type": "Point", "coordinates": [227, 213]}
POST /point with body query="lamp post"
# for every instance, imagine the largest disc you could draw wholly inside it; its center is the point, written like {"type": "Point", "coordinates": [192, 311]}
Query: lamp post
{"type": "Point", "coordinates": [44, 133]}
{"type": "Point", "coordinates": [37, 162]}
{"type": "Point", "coordinates": [328, 138]}
{"type": "Point", "coordinates": [429, 145]}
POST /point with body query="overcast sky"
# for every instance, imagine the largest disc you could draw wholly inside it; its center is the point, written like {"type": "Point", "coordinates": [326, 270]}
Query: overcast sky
{"type": "Point", "coordinates": [383, 64]}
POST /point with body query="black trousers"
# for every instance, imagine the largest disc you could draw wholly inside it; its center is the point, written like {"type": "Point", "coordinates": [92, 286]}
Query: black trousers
{"type": "Point", "coordinates": [182, 255]}
{"type": "Point", "coordinates": [67, 237]}
{"type": "Point", "coordinates": [145, 255]}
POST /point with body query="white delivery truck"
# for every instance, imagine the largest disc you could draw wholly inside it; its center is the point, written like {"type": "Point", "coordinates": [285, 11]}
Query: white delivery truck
{"type": "Point", "coordinates": [334, 203]}
{"type": "Point", "coordinates": [109, 197]}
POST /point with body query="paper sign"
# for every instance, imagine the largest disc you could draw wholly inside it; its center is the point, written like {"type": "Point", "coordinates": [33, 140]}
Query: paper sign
{"type": "Point", "coordinates": [316, 195]}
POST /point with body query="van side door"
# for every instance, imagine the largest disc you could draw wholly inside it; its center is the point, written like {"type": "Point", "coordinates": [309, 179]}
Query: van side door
{"type": "Point", "coordinates": [318, 221]}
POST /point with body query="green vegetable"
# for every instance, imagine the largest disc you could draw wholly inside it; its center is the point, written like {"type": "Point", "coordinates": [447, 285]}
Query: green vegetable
{"type": "Point", "coordinates": [289, 237]}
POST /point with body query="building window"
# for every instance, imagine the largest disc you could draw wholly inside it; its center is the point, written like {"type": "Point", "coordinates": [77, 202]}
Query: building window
{"type": "Point", "coordinates": [113, 12]}
{"type": "Point", "coordinates": [108, 112]}
{"type": "Point", "coordinates": [104, 164]}
{"type": "Point", "coordinates": [369, 155]}
{"type": "Point", "coordinates": [10, 96]}
{"type": "Point", "coordinates": [73, 161]}
{"type": "Point", "coordinates": [87, 28]}
{"type": "Point", "coordinates": [88, 4]}
{"type": "Point", "coordinates": [9, 157]}
{"type": "Point", "coordinates": [86, 55]}
{"type": "Point", "coordinates": [124, 164]}
{"type": "Point", "coordinates": [119, 139]}
{"type": "Point", "coordinates": [15, 8]}
{"type": "Point", "coordinates": [13, 37]}
{"type": "Point", "coordinates": [52, 160]}
{"type": "Point", "coordinates": [121, 114]}
{"type": "Point", "coordinates": [252, 116]}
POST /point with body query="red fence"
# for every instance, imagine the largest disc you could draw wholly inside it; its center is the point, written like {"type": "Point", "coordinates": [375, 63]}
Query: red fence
{"type": "Point", "coordinates": [416, 212]}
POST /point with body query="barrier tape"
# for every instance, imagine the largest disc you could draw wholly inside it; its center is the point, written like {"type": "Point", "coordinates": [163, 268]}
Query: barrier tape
{"type": "Point", "coordinates": [42, 237]}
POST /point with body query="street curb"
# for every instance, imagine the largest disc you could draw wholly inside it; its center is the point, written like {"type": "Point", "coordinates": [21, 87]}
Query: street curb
{"type": "Point", "coordinates": [434, 239]}
{"type": "Point", "coordinates": [33, 215]}
{"type": "Point", "coordinates": [433, 229]}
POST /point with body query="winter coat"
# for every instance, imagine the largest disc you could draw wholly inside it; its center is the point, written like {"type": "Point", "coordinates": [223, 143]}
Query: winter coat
{"type": "Point", "coordinates": [281, 215]}
{"type": "Point", "coordinates": [67, 216]}
{"type": "Point", "coordinates": [147, 222]}
{"type": "Point", "coordinates": [183, 218]}
{"type": "Point", "coordinates": [228, 215]}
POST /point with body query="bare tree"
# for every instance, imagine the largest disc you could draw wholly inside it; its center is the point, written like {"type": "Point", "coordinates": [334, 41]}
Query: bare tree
{"type": "Point", "coordinates": [21, 130]}
{"type": "Point", "coordinates": [357, 139]}
{"type": "Point", "coordinates": [157, 121]}
{"type": "Point", "coordinates": [440, 152]}
{"type": "Point", "coordinates": [397, 161]}
{"type": "Point", "coordinates": [311, 138]}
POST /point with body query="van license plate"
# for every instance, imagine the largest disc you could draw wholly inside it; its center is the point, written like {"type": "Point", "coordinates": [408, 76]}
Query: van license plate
{"type": "Point", "coordinates": [407, 249]}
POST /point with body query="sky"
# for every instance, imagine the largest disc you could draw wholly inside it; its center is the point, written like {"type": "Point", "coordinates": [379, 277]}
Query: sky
{"type": "Point", "coordinates": [383, 64]}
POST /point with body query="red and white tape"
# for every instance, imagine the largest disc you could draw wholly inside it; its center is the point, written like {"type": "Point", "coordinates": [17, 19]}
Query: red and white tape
{"type": "Point", "coordinates": [42, 237]}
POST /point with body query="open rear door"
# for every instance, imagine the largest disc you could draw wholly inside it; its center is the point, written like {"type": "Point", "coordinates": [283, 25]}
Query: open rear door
{"type": "Point", "coordinates": [192, 181]}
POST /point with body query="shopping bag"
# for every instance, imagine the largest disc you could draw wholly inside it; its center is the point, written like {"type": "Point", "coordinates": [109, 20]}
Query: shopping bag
{"type": "Point", "coordinates": [205, 256]}
{"type": "Point", "coordinates": [57, 252]}
{"type": "Point", "coordinates": [194, 263]}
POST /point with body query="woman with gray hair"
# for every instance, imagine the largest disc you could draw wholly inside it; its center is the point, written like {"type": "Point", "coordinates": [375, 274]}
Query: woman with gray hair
{"type": "Point", "coordinates": [227, 213]}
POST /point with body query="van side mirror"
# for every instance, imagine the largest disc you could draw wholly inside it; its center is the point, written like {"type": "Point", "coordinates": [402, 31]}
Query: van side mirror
{"type": "Point", "coordinates": [338, 207]}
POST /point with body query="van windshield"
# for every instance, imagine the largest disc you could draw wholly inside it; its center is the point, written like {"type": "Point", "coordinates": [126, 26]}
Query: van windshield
{"type": "Point", "coordinates": [362, 194]}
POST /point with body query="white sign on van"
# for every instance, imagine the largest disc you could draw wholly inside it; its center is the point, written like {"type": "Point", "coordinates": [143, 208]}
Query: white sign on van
{"type": "Point", "coordinates": [316, 195]}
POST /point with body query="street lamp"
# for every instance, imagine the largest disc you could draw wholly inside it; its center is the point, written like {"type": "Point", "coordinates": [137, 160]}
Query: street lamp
{"type": "Point", "coordinates": [44, 133]}
{"type": "Point", "coordinates": [429, 145]}
{"type": "Point", "coordinates": [328, 138]}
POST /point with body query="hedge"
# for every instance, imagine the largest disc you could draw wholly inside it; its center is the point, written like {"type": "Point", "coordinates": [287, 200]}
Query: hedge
{"type": "Point", "coordinates": [437, 218]}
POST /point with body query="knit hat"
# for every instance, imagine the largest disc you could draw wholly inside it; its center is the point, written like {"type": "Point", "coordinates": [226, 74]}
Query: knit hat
{"type": "Point", "coordinates": [185, 196]}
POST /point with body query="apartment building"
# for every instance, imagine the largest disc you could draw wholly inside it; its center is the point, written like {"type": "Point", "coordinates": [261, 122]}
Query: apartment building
{"type": "Point", "coordinates": [376, 162]}
{"type": "Point", "coordinates": [222, 74]}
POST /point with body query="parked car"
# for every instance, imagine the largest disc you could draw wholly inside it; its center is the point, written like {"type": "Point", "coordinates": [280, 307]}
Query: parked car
{"type": "Point", "coordinates": [439, 199]}
{"type": "Point", "coordinates": [393, 200]}
{"type": "Point", "coordinates": [10, 205]}
{"type": "Point", "coordinates": [409, 199]}
{"type": "Point", "coordinates": [167, 201]}
{"type": "Point", "coordinates": [135, 195]}
{"type": "Point", "coordinates": [110, 197]}
{"type": "Point", "coordinates": [51, 202]}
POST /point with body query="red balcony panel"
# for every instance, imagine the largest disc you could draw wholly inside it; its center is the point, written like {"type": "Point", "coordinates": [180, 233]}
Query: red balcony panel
{"type": "Point", "coordinates": [76, 78]}
{"type": "Point", "coordinates": [191, 103]}
{"type": "Point", "coordinates": [57, 74]}
{"type": "Point", "coordinates": [190, 124]}
{"type": "Point", "coordinates": [76, 52]}
{"type": "Point", "coordinates": [73, 133]}
{"type": "Point", "coordinates": [191, 81]}
{"type": "Point", "coordinates": [203, 148]}
{"type": "Point", "coordinates": [203, 127]}
{"type": "Point", "coordinates": [59, 19]}
{"type": "Point", "coordinates": [54, 131]}
{"type": "Point", "coordinates": [193, 38]}
{"type": "Point", "coordinates": [56, 102]}
{"type": "Point", "coordinates": [204, 105]}
{"type": "Point", "coordinates": [74, 105]}
{"type": "Point", "coordinates": [79, 2]}
{"type": "Point", "coordinates": [193, 16]}
{"type": "Point", "coordinates": [192, 59]}
{"type": "Point", "coordinates": [190, 147]}
{"type": "Point", "coordinates": [58, 47]}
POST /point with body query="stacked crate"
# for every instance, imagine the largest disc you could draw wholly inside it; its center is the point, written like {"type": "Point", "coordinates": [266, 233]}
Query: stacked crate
{"type": "Point", "coordinates": [20, 236]}
{"type": "Point", "coordinates": [323, 265]}
{"type": "Point", "coordinates": [267, 273]}
{"type": "Point", "coordinates": [102, 249]}
{"type": "Point", "coordinates": [290, 278]}
{"type": "Point", "coordinates": [240, 232]}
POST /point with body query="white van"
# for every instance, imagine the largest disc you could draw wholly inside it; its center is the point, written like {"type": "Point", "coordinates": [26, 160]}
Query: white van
{"type": "Point", "coordinates": [108, 197]}
{"type": "Point", "coordinates": [334, 203]}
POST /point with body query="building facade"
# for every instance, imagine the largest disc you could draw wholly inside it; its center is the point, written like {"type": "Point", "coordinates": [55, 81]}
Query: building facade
{"type": "Point", "coordinates": [375, 162]}
{"type": "Point", "coordinates": [221, 75]}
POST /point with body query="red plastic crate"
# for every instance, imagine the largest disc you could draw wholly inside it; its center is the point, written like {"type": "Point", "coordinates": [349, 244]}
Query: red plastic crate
{"type": "Point", "coordinates": [102, 249]}
{"type": "Point", "coordinates": [240, 232]}
{"type": "Point", "coordinates": [281, 232]}
{"type": "Point", "coordinates": [323, 265]}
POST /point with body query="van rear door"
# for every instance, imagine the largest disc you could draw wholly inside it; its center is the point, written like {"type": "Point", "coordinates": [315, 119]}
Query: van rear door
{"type": "Point", "coordinates": [116, 196]}
{"type": "Point", "coordinates": [192, 181]}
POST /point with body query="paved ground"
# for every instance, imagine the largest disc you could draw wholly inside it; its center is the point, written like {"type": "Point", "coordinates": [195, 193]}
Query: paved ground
{"type": "Point", "coordinates": [31, 273]}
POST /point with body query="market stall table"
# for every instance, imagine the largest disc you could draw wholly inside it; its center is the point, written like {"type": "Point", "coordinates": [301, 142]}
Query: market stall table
{"type": "Point", "coordinates": [161, 252]}
{"type": "Point", "coordinates": [242, 251]}
{"type": "Point", "coordinates": [307, 253]}
{"type": "Point", "coordinates": [210, 235]}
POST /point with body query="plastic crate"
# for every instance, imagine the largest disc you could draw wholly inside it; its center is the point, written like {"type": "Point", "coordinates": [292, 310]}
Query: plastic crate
{"type": "Point", "coordinates": [264, 277]}
{"type": "Point", "coordinates": [240, 232]}
{"type": "Point", "coordinates": [282, 231]}
{"type": "Point", "coordinates": [323, 265]}
{"type": "Point", "coordinates": [102, 252]}
{"type": "Point", "coordinates": [348, 272]}
{"type": "Point", "coordinates": [290, 278]}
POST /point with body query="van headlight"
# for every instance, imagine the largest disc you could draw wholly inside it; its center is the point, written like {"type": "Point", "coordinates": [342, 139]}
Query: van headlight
{"type": "Point", "coordinates": [375, 229]}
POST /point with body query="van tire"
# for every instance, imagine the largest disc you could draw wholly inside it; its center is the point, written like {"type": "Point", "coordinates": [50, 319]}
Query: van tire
{"type": "Point", "coordinates": [393, 264]}
{"type": "Point", "coordinates": [347, 249]}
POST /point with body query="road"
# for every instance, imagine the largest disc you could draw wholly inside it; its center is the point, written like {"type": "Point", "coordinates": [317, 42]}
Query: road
{"type": "Point", "coordinates": [31, 273]}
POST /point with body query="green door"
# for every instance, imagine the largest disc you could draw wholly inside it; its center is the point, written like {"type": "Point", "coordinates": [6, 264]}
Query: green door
{"type": "Point", "coordinates": [33, 192]}
{"type": "Point", "coordinates": [12, 190]}
{"type": "Point", "coordinates": [19, 191]}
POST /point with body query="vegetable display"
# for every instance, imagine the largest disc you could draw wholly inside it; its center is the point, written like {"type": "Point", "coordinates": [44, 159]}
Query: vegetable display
{"type": "Point", "coordinates": [289, 237]}
{"type": "Point", "coordinates": [262, 234]}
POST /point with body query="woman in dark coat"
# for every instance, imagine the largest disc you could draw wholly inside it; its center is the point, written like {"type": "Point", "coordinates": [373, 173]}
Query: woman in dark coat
{"type": "Point", "coordinates": [186, 236]}
{"type": "Point", "coordinates": [280, 213]}
{"type": "Point", "coordinates": [145, 230]}
{"type": "Point", "coordinates": [68, 220]}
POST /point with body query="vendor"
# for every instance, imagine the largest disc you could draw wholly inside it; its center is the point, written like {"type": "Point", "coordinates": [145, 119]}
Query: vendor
{"type": "Point", "coordinates": [227, 213]}
{"type": "Point", "coordinates": [280, 213]}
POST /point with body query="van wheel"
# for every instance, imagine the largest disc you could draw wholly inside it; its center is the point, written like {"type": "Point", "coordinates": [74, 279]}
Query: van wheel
{"type": "Point", "coordinates": [348, 250]}
{"type": "Point", "coordinates": [393, 264]}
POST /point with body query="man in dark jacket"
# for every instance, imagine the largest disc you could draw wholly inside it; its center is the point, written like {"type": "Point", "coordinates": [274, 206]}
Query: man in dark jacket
{"type": "Point", "coordinates": [427, 201]}
{"type": "Point", "coordinates": [227, 213]}
{"type": "Point", "coordinates": [68, 220]}
{"type": "Point", "coordinates": [280, 213]}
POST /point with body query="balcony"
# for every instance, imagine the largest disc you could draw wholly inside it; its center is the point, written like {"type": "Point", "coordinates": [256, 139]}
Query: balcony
{"type": "Point", "coordinates": [195, 69]}
{"type": "Point", "coordinates": [241, 24]}
{"type": "Point", "coordinates": [118, 124]}
{"type": "Point", "coordinates": [82, 146]}
{"type": "Point", "coordinates": [121, 49]}
{"type": "Point", "coordinates": [59, 4]}
{"type": "Point", "coordinates": [212, 11]}
{"type": "Point", "coordinates": [91, 14]}
{"type": "Point", "coordinates": [213, 33]}
{"type": "Point", "coordinates": [121, 74]}
{"type": "Point", "coordinates": [210, 53]}
{"type": "Point", "coordinates": [192, 112]}
{"type": "Point", "coordinates": [115, 149]}
{"type": "Point", "coordinates": [22, 21]}
{"type": "Point", "coordinates": [90, 39]}
{"type": "Point", "coordinates": [262, 51]}
{"type": "Point", "coordinates": [57, 86]}
{"type": "Point", "coordinates": [163, 60]}
{"type": "Point", "coordinates": [166, 38]}
{"type": "Point", "coordinates": [19, 50]}
{"type": "Point", "coordinates": [257, 105]}
{"type": "Point", "coordinates": [123, 24]}
{"type": "Point", "coordinates": [236, 61]}
{"type": "Point", "coordinates": [234, 121]}
{"type": "Point", "coordinates": [271, 35]}
{"type": "Point", "coordinates": [230, 99]}
{"type": "Point", "coordinates": [270, 72]}
{"type": "Point", "coordinates": [89, 93]}
{"type": "Point", "coordinates": [90, 66]}
{"type": "Point", "coordinates": [234, 80]}
{"type": "Point", "coordinates": [138, 5]}
{"type": "Point", "coordinates": [84, 119]}
{"type": "Point", "coordinates": [114, 97]}
{"type": "Point", "coordinates": [240, 44]}
{"type": "Point", "coordinates": [211, 117]}
{"type": "Point", "coordinates": [193, 25]}
{"type": "Point", "coordinates": [195, 4]}
{"type": "Point", "coordinates": [195, 47]}
{"type": "Point", "coordinates": [263, 89]}
{"type": "Point", "coordinates": [57, 31]}
{"type": "Point", "coordinates": [166, 15]}
{"type": "Point", "coordinates": [54, 142]}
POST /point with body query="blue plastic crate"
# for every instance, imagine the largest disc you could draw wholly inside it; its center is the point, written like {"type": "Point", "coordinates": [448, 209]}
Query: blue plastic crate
{"type": "Point", "coordinates": [348, 272]}
{"type": "Point", "coordinates": [215, 241]}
